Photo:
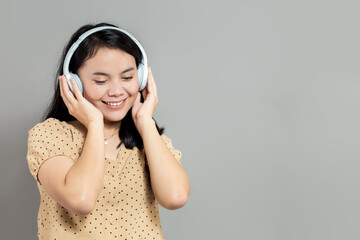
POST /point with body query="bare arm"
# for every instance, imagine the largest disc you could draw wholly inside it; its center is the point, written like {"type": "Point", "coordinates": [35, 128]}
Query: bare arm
{"type": "Point", "coordinates": [169, 181]}
{"type": "Point", "coordinates": [76, 186]}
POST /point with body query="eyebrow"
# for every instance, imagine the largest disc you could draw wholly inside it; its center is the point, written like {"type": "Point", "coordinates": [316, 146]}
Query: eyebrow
{"type": "Point", "coordinates": [107, 75]}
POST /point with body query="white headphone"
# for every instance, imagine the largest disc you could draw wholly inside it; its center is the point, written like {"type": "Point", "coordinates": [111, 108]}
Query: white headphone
{"type": "Point", "coordinates": [142, 68]}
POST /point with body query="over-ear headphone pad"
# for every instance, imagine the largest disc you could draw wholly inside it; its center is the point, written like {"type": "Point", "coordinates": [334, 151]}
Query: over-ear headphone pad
{"type": "Point", "coordinates": [142, 76]}
{"type": "Point", "coordinates": [78, 82]}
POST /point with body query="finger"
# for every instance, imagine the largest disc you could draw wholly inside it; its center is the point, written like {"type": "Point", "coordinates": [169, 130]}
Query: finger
{"type": "Point", "coordinates": [64, 87]}
{"type": "Point", "coordinates": [69, 95]}
{"type": "Point", "coordinates": [152, 83]}
{"type": "Point", "coordinates": [136, 104]}
{"type": "Point", "coordinates": [61, 85]}
{"type": "Point", "coordinates": [138, 97]}
{"type": "Point", "coordinates": [76, 89]}
{"type": "Point", "coordinates": [149, 83]}
{"type": "Point", "coordinates": [66, 95]}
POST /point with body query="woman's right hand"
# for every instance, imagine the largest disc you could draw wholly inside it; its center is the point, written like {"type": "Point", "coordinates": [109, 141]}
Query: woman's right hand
{"type": "Point", "coordinates": [78, 106]}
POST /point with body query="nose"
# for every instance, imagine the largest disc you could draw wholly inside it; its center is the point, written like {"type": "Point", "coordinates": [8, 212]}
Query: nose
{"type": "Point", "coordinates": [115, 89]}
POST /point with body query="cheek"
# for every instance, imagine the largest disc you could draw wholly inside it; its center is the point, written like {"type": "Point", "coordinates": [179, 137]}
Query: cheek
{"type": "Point", "coordinates": [133, 88]}
{"type": "Point", "coordinates": [133, 91]}
{"type": "Point", "coordinates": [93, 94]}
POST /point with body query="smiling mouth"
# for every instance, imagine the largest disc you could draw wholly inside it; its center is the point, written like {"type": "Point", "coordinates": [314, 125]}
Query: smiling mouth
{"type": "Point", "coordinates": [114, 103]}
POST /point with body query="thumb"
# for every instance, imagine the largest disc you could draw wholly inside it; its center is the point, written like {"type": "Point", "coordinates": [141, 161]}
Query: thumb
{"type": "Point", "coordinates": [138, 98]}
{"type": "Point", "coordinates": [136, 104]}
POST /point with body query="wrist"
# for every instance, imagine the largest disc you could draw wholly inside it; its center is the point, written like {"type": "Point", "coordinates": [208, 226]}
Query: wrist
{"type": "Point", "coordinates": [95, 125]}
{"type": "Point", "coordinates": [145, 124]}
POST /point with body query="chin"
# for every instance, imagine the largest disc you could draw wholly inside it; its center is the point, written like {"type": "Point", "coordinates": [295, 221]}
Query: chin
{"type": "Point", "coordinates": [114, 117]}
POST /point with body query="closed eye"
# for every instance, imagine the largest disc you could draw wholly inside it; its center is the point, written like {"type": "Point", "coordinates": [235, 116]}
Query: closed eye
{"type": "Point", "coordinates": [99, 81]}
{"type": "Point", "coordinates": [128, 78]}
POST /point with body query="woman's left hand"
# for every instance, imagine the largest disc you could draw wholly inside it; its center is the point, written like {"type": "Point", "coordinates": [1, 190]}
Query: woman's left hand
{"type": "Point", "coordinates": [142, 112]}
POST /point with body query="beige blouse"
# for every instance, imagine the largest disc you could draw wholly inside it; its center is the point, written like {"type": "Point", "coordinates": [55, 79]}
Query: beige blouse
{"type": "Point", "coordinates": [126, 207]}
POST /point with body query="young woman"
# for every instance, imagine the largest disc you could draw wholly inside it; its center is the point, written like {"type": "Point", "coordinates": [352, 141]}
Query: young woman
{"type": "Point", "coordinates": [101, 163]}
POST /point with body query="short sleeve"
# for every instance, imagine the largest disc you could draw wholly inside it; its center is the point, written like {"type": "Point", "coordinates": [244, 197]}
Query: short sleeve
{"type": "Point", "coordinates": [176, 153]}
{"type": "Point", "coordinates": [46, 140]}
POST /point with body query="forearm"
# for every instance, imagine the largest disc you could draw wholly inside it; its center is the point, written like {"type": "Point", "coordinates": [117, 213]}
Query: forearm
{"type": "Point", "coordinates": [85, 177]}
{"type": "Point", "coordinates": [169, 181]}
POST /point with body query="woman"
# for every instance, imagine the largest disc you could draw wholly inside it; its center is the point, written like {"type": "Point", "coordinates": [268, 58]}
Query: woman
{"type": "Point", "coordinates": [101, 163]}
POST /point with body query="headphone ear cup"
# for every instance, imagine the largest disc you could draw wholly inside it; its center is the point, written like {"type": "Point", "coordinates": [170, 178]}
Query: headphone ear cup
{"type": "Point", "coordinates": [78, 82]}
{"type": "Point", "coordinates": [142, 75]}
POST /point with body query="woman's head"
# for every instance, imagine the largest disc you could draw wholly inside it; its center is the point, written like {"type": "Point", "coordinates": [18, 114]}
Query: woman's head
{"type": "Point", "coordinates": [107, 42]}
{"type": "Point", "coordinates": [110, 82]}
{"type": "Point", "coordinates": [108, 55]}
{"type": "Point", "coordinates": [107, 38]}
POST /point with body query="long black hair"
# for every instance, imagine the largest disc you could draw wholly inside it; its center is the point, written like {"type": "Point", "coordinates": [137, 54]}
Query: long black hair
{"type": "Point", "coordinates": [108, 38]}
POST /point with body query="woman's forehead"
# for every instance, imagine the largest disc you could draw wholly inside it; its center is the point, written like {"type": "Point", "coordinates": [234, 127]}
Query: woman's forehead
{"type": "Point", "coordinates": [110, 59]}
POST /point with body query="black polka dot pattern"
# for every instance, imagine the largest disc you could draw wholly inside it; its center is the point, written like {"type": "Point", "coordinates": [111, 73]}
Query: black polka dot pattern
{"type": "Point", "coordinates": [126, 207]}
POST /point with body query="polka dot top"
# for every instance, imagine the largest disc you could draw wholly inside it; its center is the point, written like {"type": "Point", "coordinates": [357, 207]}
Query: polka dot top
{"type": "Point", "coordinates": [126, 207]}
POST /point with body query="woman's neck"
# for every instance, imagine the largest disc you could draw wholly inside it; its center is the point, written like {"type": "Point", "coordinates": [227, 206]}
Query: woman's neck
{"type": "Point", "coordinates": [110, 128]}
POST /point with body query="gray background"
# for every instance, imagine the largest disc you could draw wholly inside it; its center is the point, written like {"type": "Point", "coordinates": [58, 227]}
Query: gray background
{"type": "Point", "coordinates": [262, 97]}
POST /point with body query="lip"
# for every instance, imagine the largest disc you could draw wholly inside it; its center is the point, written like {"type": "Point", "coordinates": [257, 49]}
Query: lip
{"type": "Point", "coordinates": [115, 106]}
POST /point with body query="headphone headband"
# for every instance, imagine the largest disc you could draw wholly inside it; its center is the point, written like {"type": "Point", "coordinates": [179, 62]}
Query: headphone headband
{"type": "Point", "coordinates": [142, 65]}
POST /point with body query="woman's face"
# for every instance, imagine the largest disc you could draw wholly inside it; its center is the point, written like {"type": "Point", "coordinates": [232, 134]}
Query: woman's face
{"type": "Point", "coordinates": [110, 82]}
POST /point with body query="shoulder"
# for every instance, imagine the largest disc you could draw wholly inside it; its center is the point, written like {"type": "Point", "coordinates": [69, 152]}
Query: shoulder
{"type": "Point", "coordinates": [166, 139]}
{"type": "Point", "coordinates": [52, 128]}
{"type": "Point", "coordinates": [48, 124]}
{"type": "Point", "coordinates": [51, 138]}
{"type": "Point", "coordinates": [168, 142]}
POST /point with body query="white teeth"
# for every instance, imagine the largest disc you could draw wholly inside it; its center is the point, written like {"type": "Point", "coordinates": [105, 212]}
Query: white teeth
{"type": "Point", "coordinates": [114, 104]}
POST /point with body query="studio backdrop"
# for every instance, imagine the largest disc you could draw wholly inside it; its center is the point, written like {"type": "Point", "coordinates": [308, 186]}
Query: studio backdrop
{"type": "Point", "coordinates": [262, 98]}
